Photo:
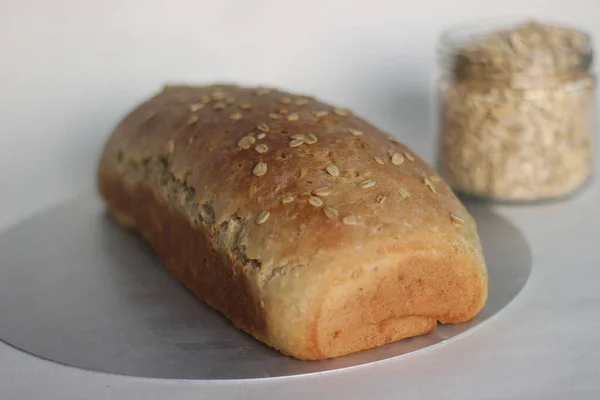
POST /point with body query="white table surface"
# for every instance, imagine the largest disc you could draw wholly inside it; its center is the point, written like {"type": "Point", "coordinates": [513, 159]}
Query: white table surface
{"type": "Point", "coordinates": [69, 70]}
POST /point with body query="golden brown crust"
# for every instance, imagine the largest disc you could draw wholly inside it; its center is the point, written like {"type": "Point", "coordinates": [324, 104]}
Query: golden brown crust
{"type": "Point", "coordinates": [303, 224]}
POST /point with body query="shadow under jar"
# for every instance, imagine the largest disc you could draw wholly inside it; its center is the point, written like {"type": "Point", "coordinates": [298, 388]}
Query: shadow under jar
{"type": "Point", "coordinates": [516, 111]}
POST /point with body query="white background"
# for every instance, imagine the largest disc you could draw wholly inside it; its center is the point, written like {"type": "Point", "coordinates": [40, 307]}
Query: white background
{"type": "Point", "coordinates": [70, 69]}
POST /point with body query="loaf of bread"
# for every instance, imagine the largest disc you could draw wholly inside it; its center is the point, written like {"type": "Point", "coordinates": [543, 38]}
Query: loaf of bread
{"type": "Point", "coordinates": [307, 227]}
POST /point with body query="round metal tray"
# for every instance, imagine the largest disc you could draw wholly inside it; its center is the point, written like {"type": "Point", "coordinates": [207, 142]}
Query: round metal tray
{"type": "Point", "coordinates": [77, 289]}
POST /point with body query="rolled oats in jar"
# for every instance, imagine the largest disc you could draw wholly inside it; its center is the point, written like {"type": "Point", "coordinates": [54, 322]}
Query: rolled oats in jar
{"type": "Point", "coordinates": [516, 111]}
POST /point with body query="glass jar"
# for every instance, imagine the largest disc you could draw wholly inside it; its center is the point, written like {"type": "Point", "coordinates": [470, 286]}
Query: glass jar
{"type": "Point", "coordinates": [516, 111]}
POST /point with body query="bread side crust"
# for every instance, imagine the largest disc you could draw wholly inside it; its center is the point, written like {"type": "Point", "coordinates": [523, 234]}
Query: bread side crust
{"type": "Point", "coordinates": [344, 302]}
{"type": "Point", "coordinates": [399, 297]}
{"type": "Point", "coordinates": [188, 252]}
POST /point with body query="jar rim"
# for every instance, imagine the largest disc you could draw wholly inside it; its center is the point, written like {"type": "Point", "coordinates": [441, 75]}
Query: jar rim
{"type": "Point", "coordinates": [457, 37]}
{"type": "Point", "coordinates": [482, 26]}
